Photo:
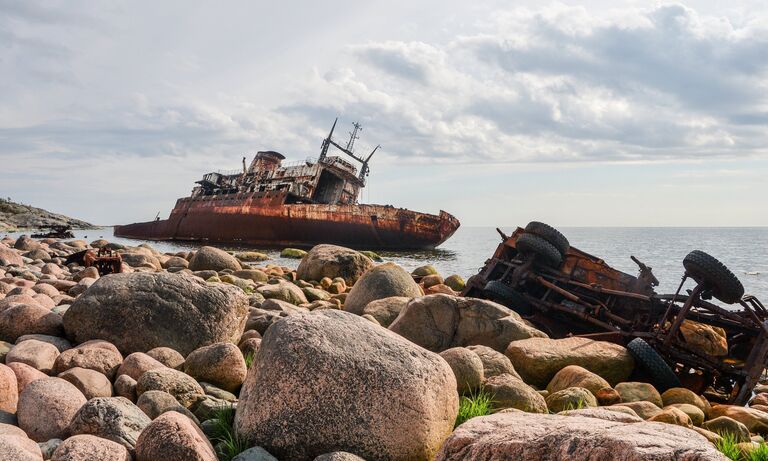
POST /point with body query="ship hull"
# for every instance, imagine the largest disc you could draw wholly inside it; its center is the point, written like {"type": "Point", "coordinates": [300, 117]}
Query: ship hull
{"type": "Point", "coordinates": [263, 219]}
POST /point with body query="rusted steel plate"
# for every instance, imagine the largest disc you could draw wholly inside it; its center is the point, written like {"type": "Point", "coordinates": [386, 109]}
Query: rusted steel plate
{"type": "Point", "coordinates": [264, 219]}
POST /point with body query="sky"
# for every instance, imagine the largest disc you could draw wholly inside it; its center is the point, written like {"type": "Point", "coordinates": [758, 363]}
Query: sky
{"type": "Point", "coordinates": [592, 113]}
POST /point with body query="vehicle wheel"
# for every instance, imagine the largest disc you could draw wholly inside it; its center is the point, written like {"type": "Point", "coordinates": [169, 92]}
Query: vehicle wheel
{"type": "Point", "coordinates": [651, 362]}
{"type": "Point", "coordinates": [550, 234]}
{"type": "Point", "coordinates": [709, 271]}
{"type": "Point", "coordinates": [503, 294]}
{"type": "Point", "coordinates": [546, 253]}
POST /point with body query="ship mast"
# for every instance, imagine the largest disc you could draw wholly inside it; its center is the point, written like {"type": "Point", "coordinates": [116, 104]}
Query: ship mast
{"type": "Point", "coordinates": [356, 128]}
{"type": "Point", "coordinates": [353, 135]}
{"type": "Point", "coordinates": [327, 141]}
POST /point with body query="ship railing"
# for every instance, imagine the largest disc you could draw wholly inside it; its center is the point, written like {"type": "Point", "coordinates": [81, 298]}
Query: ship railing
{"type": "Point", "coordinates": [229, 172]}
{"type": "Point", "coordinates": [340, 163]}
{"type": "Point", "coordinates": [305, 162]}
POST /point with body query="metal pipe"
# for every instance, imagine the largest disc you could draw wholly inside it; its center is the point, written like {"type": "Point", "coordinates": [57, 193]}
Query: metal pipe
{"type": "Point", "coordinates": [681, 315]}
{"type": "Point", "coordinates": [600, 289]}
{"type": "Point", "coordinates": [556, 288]}
{"type": "Point", "coordinates": [672, 303]}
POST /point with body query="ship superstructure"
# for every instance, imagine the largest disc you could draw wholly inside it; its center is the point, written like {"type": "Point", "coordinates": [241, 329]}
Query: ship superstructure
{"type": "Point", "coordinates": [273, 203]}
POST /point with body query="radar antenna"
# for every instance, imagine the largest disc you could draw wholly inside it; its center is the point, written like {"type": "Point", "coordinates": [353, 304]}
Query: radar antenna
{"type": "Point", "coordinates": [353, 135]}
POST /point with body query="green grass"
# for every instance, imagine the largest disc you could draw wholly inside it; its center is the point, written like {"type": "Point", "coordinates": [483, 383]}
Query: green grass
{"type": "Point", "coordinates": [727, 446]}
{"type": "Point", "coordinates": [226, 441]}
{"type": "Point", "coordinates": [479, 403]}
{"type": "Point", "coordinates": [575, 406]}
{"type": "Point", "coordinates": [758, 454]}
{"type": "Point", "coordinates": [249, 358]}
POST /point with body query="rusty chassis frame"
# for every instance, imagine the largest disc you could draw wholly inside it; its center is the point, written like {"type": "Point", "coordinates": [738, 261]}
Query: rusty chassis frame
{"type": "Point", "coordinates": [600, 309]}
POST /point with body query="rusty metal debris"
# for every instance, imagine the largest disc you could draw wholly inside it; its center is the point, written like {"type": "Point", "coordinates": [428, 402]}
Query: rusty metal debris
{"type": "Point", "coordinates": [297, 204]}
{"type": "Point", "coordinates": [59, 231]}
{"type": "Point", "coordinates": [565, 291]}
{"type": "Point", "coordinates": [106, 261]}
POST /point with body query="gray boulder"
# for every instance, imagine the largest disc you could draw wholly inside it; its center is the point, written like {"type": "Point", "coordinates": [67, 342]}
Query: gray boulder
{"type": "Point", "coordinates": [221, 364]}
{"type": "Point", "coordinates": [19, 448]}
{"type": "Point", "coordinates": [338, 456]}
{"type": "Point", "coordinates": [380, 282]}
{"type": "Point", "coordinates": [141, 260]}
{"type": "Point", "coordinates": [494, 362]}
{"type": "Point", "coordinates": [141, 311]}
{"type": "Point", "coordinates": [283, 291]}
{"type": "Point", "coordinates": [111, 418]}
{"type": "Point", "coordinates": [252, 274]}
{"type": "Point", "coordinates": [180, 385]}
{"type": "Point", "coordinates": [88, 447]}
{"type": "Point", "coordinates": [254, 454]}
{"type": "Point", "coordinates": [386, 310]}
{"type": "Point", "coordinates": [60, 343]}
{"type": "Point", "coordinates": [155, 403]}
{"type": "Point", "coordinates": [167, 356]}
{"type": "Point", "coordinates": [26, 243]}
{"type": "Point", "coordinates": [331, 380]}
{"type": "Point", "coordinates": [261, 319]}
{"type": "Point", "coordinates": [537, 360]}
{"type": "Point", "coordinates": [510, 392]}
{"type": "Point", "coordinates": [26, 319]}
{"type": "Point", "coordinates": [438, 322]}
{"type": "Point", "coordinates": [46, 407]}
{"type": "Point", "coordinates": [527, 436]}
{"type": "Point", "coordinates": [210, 258]}
{"type": "Point", "coordinates": [333, 261]}
{"type": "Point", "coordinates": [9, 256]}
{"type": "Point", "coordinates": [188, 441]}
{"type": "Point", "coordinates": [467, 368]}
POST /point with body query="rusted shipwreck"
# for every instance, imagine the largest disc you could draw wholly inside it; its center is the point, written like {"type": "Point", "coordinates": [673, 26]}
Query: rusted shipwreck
{"type": "Point", "coordinates": [270, 203]}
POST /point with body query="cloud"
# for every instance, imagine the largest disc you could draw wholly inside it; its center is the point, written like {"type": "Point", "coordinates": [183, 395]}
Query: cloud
{"type": "Point", "coordinates": [562, 84]}
{"type": "Point", "coordinates": [553, 85]}
{"type": "Point", "coordinates": [415, 61]}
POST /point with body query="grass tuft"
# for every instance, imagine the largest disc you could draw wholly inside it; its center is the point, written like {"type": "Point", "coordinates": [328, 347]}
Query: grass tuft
{"type": "Point", "coordinates": [581, 403]}
{"type": "Point", "coordinates": [727, 445]}
{"type": "Point", "coordinates": [477, 403]}
{"type": "Point", "coordinates": [249, 358]}
{"type": "Point", "coordinates": [759, 453]}
{"type": "Point", "coordinates": [228, 444]}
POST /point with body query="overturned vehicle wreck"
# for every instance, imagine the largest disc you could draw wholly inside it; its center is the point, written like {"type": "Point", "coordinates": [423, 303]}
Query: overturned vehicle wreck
{"type": "Point", "coordinates": [681, 339]}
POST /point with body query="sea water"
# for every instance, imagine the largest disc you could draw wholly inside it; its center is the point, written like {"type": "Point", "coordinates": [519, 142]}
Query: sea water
{"type": "Point", "coordinates": [743, 249]}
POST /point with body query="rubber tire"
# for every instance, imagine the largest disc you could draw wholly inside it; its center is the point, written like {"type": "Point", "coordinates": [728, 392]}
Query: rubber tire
{"type": "Point", "coordinates": [550, 234]}
{"type": "Point", "coordinates": [706, 269]}
{"type": "Point", "coordinates": [546, 253]}
{"type": "Point", "coordinates": [503, 294]}
{"type": "Point", "coordinates": [655, 367]}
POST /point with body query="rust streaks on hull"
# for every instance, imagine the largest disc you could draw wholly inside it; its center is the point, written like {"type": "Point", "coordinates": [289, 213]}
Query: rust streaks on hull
{"type": "Point", "coordinates": [264, 219]}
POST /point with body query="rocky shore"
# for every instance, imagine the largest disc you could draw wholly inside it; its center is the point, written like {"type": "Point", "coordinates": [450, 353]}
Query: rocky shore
{"type": "Point", "coordinates": [16, 216]}
{"type": "Point", "coordinates": [207, 355]}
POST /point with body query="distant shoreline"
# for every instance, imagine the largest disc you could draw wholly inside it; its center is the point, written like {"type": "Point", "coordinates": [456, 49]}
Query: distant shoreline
{"type": "Point", "coordinates": [32, 229]}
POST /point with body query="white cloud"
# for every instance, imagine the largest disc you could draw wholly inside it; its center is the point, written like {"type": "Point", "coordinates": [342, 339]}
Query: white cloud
{"type": "Point", "coordinates": [555, 83]}
{"type": "Point", "coordinates": [550, 84]}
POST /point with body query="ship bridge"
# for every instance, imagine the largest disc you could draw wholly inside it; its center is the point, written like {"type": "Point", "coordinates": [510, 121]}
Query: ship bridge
{"type": "Point", "coordinates": [329, 179]}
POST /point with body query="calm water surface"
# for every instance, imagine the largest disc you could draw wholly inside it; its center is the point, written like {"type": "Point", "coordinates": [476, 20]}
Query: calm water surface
{"type": "Point", "coordinates": [743, 250]}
